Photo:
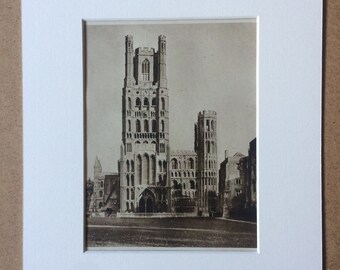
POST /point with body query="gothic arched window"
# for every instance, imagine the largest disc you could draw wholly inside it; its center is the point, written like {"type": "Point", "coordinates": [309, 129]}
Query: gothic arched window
{"type": "Point", "coordinates": [146, 102]}
{"type": "Point", "coordinates": [139, 169]}
{"type": "Point", "coordinates": [146, 70]}
{"type": "Point", "coordinates": [129, 103]}
{"type": "Point", "coordinates": [153, 169]}
{"type": "Point", "coordinates": [132, 180]}
{"type": "Point", "coordinates": [153, 102]}
{"type": "Point", "coordinates": [163, 103]}
{"type": "Point", "coordinates": [138, 126]}
{"type": "Point", "coordinates": [191, 163]}
{"type": "Point", "coordinates": [146, 126]}
{"type": "Point", "coordinates": [160, 165]}
{"type": "Point", "coordinates": [208, 125]}
{"type": "Point", "coordinates": [174, 164]}
{"type": "Point", "coordinates": [138, 103]}
{"type": "Point", "coordinates": [162, 126]}
{"type": "Point", "coordinates": [129, 125]}
{"type": "Point", "coordinates": [146, 168]}
{"type": "Point", "coordinates": [154, 126]}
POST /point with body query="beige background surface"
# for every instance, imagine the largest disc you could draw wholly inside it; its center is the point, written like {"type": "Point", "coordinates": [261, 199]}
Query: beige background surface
{"type": "Point", "coordinates": [11, 136]}
{"type": "Point", "coordinates": [331, 135]}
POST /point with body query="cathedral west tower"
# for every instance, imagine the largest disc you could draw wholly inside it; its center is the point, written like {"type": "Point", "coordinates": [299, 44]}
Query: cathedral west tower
{"type": "Point", "coordinates": [144, 159]}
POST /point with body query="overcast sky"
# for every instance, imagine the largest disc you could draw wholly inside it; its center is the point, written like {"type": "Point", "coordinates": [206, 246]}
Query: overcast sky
{"type": "Point", "coordinates": [210, 66]}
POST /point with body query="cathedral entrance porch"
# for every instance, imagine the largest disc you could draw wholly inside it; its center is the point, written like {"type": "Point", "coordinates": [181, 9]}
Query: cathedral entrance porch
{"type": "Point", "coordinates": [147, 202]}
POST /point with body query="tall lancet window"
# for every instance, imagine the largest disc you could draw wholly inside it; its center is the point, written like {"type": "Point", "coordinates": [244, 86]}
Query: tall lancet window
{"type": "Point", "coordinates": [163, 103]}
{"type": "Point", "coordinates": [146, 126]}
{"type": "Point", "coordinates": [138, 126]}
{"type": "Point", "coordinates": [146, 70]}
{"type": "Point", "coordinates": [129, 103]}
{"type": "Point", "coordinates": [154, 126]}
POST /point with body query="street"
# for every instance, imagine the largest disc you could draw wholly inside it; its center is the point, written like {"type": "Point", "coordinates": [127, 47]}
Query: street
{"type": "Point", "coordinates": [170, 232]}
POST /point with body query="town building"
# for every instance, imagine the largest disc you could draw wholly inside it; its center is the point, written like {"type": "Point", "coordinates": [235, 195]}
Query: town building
{"type": "Point", "coordinates": [105, 189]}
{"type": "Point", "coordinates": [247, 168]}
{"type": "Point", "coordinates": [231, 185]}
{"type": "Point", "coordinates": [237, 186]}
{"type": "Point", "coordinates": [252, 176]}
{"type": "Point", "coordinates": [89, 194]}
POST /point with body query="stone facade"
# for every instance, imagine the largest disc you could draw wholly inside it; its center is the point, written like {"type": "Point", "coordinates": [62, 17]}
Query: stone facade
{"type": "Point", "coordinates": [143, 165]}
{"type": "Point", "coordinates": [105, 190]}
{"type": "Point", "coordinates": [237, 186]}
{"type": "Point", "coordinates": [206, 149]}
{"type": "Point", "coordinates": [151, 178]}
{"type": "Point", "coordinates": [89, 195]}
{"type": "Point", "coordinates": [183, 166]}
{"type": "Point", "coordinates": [231, 185]}
{"type": "Point", "coordinates": [252, 175]}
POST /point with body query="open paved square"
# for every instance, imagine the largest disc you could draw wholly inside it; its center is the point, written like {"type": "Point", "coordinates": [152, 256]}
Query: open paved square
{"type": "Point", "coordinates": [191, 232]}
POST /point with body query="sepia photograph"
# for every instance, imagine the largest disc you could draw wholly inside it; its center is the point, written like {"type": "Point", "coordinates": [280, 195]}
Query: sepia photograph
{"type": "Point", "coordinates": [170, 134]}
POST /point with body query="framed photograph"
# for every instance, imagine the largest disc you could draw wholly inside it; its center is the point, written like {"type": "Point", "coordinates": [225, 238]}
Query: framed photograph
{"type": "Point", "coordinates": [171, 133]}
{"type": "Point", "coordinates": [158, 120]}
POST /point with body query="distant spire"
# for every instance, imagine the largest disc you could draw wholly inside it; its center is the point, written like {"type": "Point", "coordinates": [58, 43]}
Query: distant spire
{"type": "Point", "coordinates": [97, 163]}
{"type": "Point", "coordinates": [97, 168]}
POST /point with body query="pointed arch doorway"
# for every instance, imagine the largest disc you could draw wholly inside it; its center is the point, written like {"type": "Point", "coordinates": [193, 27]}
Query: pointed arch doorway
{"type": "Point", "coordinates": [147, 202]}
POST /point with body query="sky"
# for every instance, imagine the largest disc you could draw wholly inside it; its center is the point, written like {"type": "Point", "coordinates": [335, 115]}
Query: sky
{"type": "Point", "coordinates": [210, 66]}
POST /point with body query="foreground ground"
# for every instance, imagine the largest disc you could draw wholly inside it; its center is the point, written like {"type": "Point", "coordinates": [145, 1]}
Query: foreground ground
{"type": "Point", "coordinates": [170, 232]}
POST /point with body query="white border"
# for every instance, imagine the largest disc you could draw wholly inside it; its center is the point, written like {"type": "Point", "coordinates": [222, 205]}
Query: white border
{"type": "Point", "coordinates": [289, 100]}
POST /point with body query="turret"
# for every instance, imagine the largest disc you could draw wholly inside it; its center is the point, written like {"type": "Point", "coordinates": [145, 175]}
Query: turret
{"type": "Point", "coordinates": [129, 55]}
{"type": "Point", "coordinates": [206, 148]}
{"type": "Point", "coordinates": [162, 61]}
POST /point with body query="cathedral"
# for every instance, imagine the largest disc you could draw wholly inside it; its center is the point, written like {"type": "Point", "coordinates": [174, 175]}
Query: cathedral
{"type": "Point", "coordinates": [152, 177]}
